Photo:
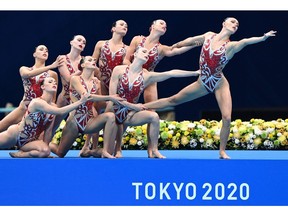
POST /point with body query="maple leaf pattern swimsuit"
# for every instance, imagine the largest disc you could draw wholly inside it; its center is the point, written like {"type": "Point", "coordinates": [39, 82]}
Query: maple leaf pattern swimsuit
{"type": "Point", "coordinates": [154, 57]}
{"type": "Point", "coordinates": [34, 124]}
{"type": "Point", "coordinates": [211, 64]}
{"type": "Point", "coordinates": [130, 91]}
{"type": "Point", "coordinates": [32, 87]}
{"type": "Point", "coordinates": [85, 111]}
{"type": "Point", "coordinates": [108, 61]}
{"type": "Point", "coordinates": [66, 85]}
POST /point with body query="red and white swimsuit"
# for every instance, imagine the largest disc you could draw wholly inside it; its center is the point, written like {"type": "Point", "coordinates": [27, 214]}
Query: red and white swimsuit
{"type": "Point", "coordinates": [85, 111]}
{"type": "Point", "coordinates": [108, 60]}
{"type": "Point", "coordinates": [211, 64]}
{"type": "Point", "coordinates": [130, 91]}
{"type": "Point", "coordinates": [66, 85]}
{"type": "Point", "coordinates": [154, 57]}
{"type": "Point", "coordinates": [32, 87]}
{"type": "Point", "coordinates": [34, 124]}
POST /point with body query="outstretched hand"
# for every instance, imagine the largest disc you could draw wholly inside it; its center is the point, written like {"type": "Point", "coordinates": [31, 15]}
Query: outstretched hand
{"type": "Point", "coordinates": [198, 72]}
{"type": "Point", "coordinates": [270, 34]}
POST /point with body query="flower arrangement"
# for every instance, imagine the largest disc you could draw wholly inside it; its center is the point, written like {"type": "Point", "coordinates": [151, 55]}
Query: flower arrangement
{"type": "Point", "coordinates": [203, 134]}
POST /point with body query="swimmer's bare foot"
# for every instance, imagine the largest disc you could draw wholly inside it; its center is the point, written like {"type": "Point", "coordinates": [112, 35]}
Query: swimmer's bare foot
{"type": "Point", "coordinates": [96, 153]}
{"type": "Point", "coordinates": [155, 154]}
{"type": "Point", "coordinates": [118, 154]}
{"type": "Point", "coordinates": [13, 154]}
{"type": "Point", "coordinates": [105, 154]}
{"type": "Point", "coordinates": [223, 155]}
{"type": "Point", "coordinates": [85, 152]}
{"type": "Point", "coordinates": [21, 154]}
{"type": "Point", "coordinates": [18, 154]}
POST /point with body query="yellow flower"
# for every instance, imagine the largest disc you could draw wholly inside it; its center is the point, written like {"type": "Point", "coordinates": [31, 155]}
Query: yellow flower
{"type": "Point", "coordinates": [100, 139]}
{"type": "Point", "coordinates": [62, 124]}
{"type": "Point", "coordinates": [247, 138]}
{"type": "Point", "coordinates": [184, 140]}
{"type": "Point", "coordinates": [203, 121]}
{"type": "Point", "coordinates": [242, 129]}
{"type": "Point", "coordinates": [85, 136]}
{"type": "Point", "coordinates": [282, 138]}
{"type": "Point", "coordinates": [272, 135]}
{"type": "Point", "coordinates": [132, 141]}
{"type": "Point", "coordinates": [257, 141]}
{"type": "Point", "coordinates": [216, 137]}
{"type": "Point", "coordinates": [144, 127]}
{"type": "Point", "coordinates": [236, 135]}
{"type": "Point", "coordinates": [54, 140]}
{"type": "Point", "coordinates": [279, 125]}
{"type": "Point", "coordinates": [183, 126]}
{"type": "Point", "coordinates": [175, 143]}
{"type": "Point", "coordinates": [238, 122]}
{"type": "Point", "coordinates": [58, 135]}
{"type": "Point", "coordinates": [285, 142]}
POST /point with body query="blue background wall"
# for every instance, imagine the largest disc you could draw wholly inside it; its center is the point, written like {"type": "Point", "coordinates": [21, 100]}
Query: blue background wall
{"type": "Point", "coordinates": [257, 75]}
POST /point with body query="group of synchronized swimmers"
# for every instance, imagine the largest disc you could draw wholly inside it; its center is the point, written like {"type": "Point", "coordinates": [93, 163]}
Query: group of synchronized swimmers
{"type": "Point", "coordinates": [102, 91]}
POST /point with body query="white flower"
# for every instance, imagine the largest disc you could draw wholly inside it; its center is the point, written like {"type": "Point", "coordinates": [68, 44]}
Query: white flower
{"type": "Point", "coordinates": [101, 132]}
{"type": "Point", "coordinates": [270, 130]}
{"type": "Point", "coordinates": [235, 130]}
{"type": "Point", "coordinates": [171, 126]}
{"type": "Point", "coordinates": [201, 140]}
{"type": "Point", "coordinates": [75, 143]}
{"type": "Point", "coordinates": [139, 142]}
{"type": "Point", "coordinates": [191, 125]}
{"type": "Point", "coordinates": [268, 144]}
{"type": "Point", "coordinates": [193, 143]}
{"type": "Point", "coordinates": [279, 134]}
{"type": "Point", "coordinates": [202, 127]}
{"type": "Point", "coordinates": [130, 129]}
{"type": "Point", "coordinates": [237, 141]}
{"type": "Point", "coordinates": [171, 132]}
{"type": "Point", "coordinates": [257, 131]}
{"type": "Point", "coordinates": [249, 125]}
{"type": "Point", "coordinates": [217, 132]}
